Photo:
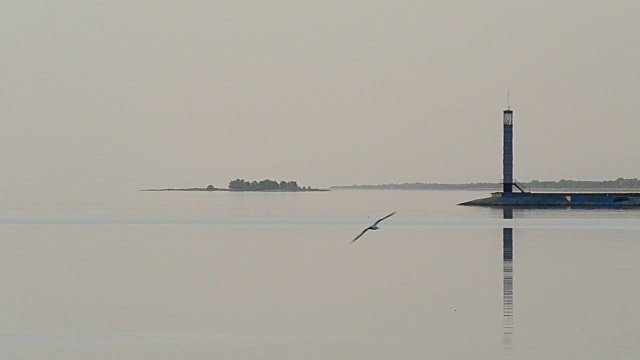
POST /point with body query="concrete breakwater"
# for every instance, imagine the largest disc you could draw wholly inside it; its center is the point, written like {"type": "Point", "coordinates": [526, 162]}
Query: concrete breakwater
{"type": "Point", "coordinates": [528, 199]}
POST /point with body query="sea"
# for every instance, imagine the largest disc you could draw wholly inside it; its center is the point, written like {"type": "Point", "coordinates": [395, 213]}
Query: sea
{"type": "Point", "coordinates": [225, 275]}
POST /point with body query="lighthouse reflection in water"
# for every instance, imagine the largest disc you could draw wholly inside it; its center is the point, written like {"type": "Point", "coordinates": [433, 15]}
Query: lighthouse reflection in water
{"type": "Point", "coordinates": [507, 284]}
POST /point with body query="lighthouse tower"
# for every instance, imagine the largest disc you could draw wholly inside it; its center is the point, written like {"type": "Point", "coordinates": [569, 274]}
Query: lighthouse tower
{"type": "Point", "coordinates": [507, 151]}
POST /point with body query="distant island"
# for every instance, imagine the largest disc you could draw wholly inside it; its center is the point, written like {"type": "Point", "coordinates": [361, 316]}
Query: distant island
{"type": "Point", "coordinates": [239, 185]}
{"type": "Point", "coordinates": [619, 184]}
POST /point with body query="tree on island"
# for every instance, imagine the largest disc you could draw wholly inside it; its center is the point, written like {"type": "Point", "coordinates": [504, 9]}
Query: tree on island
{"type": "Point", "coordinates": [267, 184]}
{"type": "Point", "coordinates": [292, 185]}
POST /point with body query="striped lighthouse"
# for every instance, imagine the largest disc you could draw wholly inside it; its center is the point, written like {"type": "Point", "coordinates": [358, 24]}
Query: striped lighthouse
{"type": "Point", "coordinates": [507, 151]}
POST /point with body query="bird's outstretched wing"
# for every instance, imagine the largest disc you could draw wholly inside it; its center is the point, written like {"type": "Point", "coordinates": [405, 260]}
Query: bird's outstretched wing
{"type": "Point", "coordinates": [358, 237]}
{"type": "Point", "coordinates": [376, 223]}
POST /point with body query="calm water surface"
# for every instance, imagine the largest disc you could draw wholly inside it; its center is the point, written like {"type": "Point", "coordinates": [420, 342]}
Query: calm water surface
{"type": "Point", "coordinates": [179, 275]}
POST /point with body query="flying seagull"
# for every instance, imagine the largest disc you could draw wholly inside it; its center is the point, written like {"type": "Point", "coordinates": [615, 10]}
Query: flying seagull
{"type": "Point", "coordinates": [372, 227]}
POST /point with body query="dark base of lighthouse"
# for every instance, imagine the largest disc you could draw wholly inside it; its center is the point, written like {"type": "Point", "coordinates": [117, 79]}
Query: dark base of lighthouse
{"type": "Point", "coordinates": [586, 200]}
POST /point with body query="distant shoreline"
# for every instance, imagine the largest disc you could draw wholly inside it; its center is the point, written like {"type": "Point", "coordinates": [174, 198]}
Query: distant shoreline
{"type": "Point", "coordinates": [238, 190]}
{"type": "Point", "coordinates": [620, 184]}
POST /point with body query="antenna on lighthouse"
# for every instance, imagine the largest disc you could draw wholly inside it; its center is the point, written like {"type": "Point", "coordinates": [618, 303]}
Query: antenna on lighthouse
{"type": "Point", "coordinates": [508, 100]}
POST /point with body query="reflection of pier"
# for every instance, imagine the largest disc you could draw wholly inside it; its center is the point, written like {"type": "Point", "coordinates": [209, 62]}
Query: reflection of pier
{"type": "Point", "coordinates": [507, 285]}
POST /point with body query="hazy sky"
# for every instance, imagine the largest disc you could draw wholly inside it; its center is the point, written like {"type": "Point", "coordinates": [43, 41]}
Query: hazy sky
{"type": "Point", "coordinates": [138, 94]}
